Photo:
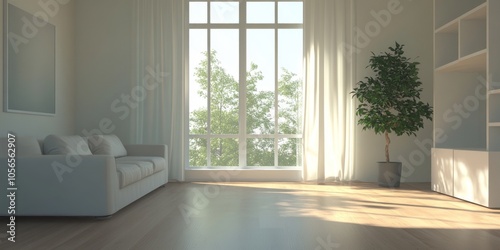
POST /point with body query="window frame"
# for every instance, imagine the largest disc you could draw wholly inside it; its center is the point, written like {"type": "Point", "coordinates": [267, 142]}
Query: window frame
{"type": "Point", "coordinates": [242, 26]}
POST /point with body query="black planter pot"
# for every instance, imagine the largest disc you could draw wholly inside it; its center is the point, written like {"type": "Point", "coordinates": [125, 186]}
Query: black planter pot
{"type": "Point", "coordinates": [389, 174]}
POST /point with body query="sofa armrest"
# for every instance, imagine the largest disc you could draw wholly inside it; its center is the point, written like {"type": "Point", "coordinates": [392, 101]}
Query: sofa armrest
{"type": "Point", "coordinates": [63, 185]}
{"type": "Point", "coordinates": [147, 150]}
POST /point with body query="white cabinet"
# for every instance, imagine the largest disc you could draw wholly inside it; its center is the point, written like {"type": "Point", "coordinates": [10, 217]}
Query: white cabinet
{"type": "Point", "coordinates": [470, 175]}
{"type": "Point", "coordinates": [476, 176]}
{"type": "Point", "coordinates": [467, 100]}
{"type": "Point", "coordinates": [442, 170]}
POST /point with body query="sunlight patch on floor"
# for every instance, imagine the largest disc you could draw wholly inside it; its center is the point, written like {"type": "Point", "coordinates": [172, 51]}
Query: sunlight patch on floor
{"type": "Point", "coordinates": [411, 206]}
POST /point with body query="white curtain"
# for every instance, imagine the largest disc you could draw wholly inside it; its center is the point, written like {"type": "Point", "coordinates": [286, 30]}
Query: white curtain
{"type": "Point", "coordinates": [329, 108]}
{"type": "Point", "coordinates": [158, 79]}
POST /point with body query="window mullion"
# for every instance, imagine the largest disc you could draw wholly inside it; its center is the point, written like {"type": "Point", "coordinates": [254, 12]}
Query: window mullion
{"type": "Point", "coordinates": [209, 88]}
{"type": "Point", "coordinates": [242, 87]}
{"type": "Point", "coordinates": [276, 87]}
{"type": "Point", "coordinates": [187, 101]}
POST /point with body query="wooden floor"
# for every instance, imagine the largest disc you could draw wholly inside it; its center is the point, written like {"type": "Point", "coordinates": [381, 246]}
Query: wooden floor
{"type": "Point", "coordinates": [258, 216]}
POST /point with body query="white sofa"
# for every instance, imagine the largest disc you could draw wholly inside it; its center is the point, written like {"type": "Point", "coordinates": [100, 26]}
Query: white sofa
{"type": "Point", "coordinates": [71, 178]}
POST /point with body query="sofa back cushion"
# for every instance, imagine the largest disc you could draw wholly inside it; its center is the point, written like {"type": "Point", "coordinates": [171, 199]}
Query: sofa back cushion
{"type": "Point", "coordinates": [107, 145]}
{"type": "Point", "coordinates": [25, 146]}
{"type": "Point", "coordinates": [68, 144]}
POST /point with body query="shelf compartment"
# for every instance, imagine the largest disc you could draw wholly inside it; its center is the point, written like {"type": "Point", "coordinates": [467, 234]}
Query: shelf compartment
{"type": "Point", "coordinates": [494, 45]}
{"type": "Point", "coordinates": [470, 9]}
{"type": "Point", "coordinates": [458, 114]}
{"type": "Point", "coordinates": [472, 36]}
{"type": "Point", "coordinates": [446, 48]}
{"type": "Point", "coordinates": [475, 62]}
{"type": "Point", "coordinates": [494, 137]}
{"type": "Point", "coordinates": [494, 110]}
{"type": "Point", "coordinates": [451, 27]}
{"type": "Point", "coordinates": [480, 12]}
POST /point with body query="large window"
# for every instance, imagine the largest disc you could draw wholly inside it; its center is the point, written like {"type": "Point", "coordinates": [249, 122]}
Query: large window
{"type": "Point", "coordinates": [245, 83]}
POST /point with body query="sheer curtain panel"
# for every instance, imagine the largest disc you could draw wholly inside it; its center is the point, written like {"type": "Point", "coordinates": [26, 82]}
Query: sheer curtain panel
{"type": "Point", "coordinates": [158, 79]}
{"type": "Point", "coordinates": [329, 122]}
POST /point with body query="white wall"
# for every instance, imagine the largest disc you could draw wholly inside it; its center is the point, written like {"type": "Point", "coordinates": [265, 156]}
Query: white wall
{"type": "Point", "coordinates": [103, 52]}
{"type": "Point", "coordinates": [104, 55]}
{"type": "Point", "coordinates": [64, 120]}
{"type": "Point", "coordinates": [413, 27]}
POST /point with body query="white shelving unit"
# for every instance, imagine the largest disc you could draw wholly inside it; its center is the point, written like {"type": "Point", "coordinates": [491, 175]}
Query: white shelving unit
{"type": "Point", "coordinates": [466, 153]}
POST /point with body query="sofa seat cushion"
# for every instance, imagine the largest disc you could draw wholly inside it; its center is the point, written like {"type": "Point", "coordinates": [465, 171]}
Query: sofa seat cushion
{"type": "Point", "coordinates": [128, 173]}
{"type": "Point", "coordinates": [133, 170]}
{"type": "Point", "coordinates": [146, 168]}
{"type": "Point", "coordinates": [159, 163]}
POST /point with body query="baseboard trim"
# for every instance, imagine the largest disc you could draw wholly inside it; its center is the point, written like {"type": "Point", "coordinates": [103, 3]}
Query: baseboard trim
{"type": "Point", "coordinates": [244, 175]}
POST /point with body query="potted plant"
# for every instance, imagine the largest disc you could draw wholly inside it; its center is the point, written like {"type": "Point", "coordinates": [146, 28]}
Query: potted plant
{"type": "Point", "coordinates": [389, 102]}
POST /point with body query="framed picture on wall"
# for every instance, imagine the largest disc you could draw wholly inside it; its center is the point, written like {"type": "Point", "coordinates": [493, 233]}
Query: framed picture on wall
{"type": "Point", "coordinates": [29, 61]}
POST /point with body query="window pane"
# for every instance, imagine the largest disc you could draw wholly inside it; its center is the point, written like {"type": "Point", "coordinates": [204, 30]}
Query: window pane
{"type": "Point", "coordinates": [198, 82]}
{"type": "Point", "coordinates": [224, 152]}
{"type": "Point", "coordinates": [260, 152]}
{"type": "Point", "coordinates": [224, 96]}
{"type": "Point", "coordinates": [198, 152]}
{"type": "Point", "coordinates": [290, 12]}
{"type": "Point", "coordinates": [260, 81]}
{"type": "Point", "coordinates": [224, 12]}
{"type": "Point", "coordinates": [290, 152]}
{"type": "Point", "coordinates": [260, 12]}
{"type": "Point", "coordinates": [197, 12]}
{"type": "Point", "coordinates": [290, 81]}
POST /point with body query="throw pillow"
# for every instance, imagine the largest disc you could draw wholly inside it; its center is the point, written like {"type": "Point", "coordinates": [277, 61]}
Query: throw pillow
{"type": "Point", "coordinates": [61, 145]}
{"type": "Point", "coordinates": [107, 145]}
{"type": "Point", "coordinates": [25, 146]}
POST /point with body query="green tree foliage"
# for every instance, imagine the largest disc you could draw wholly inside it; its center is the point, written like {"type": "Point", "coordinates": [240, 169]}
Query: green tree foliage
{"type": "Point", "coordinates": [290, 121]}
{"type": "Point", "coordinates": [224, 108]}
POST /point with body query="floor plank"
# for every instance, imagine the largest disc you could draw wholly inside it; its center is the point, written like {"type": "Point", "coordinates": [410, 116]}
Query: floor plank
{"type": "Point", "coordinates": [274, 216]}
